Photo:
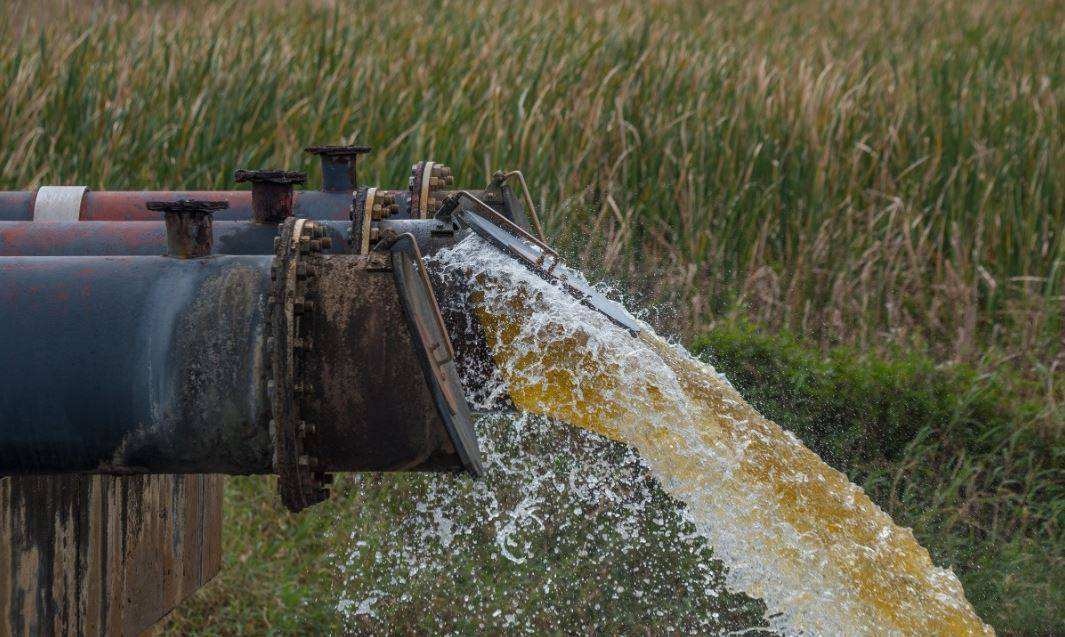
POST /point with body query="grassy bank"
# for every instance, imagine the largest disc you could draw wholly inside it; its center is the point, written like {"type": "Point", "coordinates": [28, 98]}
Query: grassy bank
{"type": "Point", "coordinates": [948, 451]}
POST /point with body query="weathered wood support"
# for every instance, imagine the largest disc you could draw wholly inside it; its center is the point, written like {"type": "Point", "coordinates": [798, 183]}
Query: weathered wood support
{"type": "Point", "coordinates": [104, 555]}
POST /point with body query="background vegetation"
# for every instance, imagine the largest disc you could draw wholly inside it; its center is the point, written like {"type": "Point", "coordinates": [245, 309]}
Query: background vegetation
{"type": "Point", "coordinates": [884, 182]}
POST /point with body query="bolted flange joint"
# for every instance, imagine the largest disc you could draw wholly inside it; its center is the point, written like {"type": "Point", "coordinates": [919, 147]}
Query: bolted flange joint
{"type": "Point", "coordinates": [427, 182]}
{"type": "Point", "coordinates": [368, 206]}
{"type": "Point", "coordinates": [301, 479]}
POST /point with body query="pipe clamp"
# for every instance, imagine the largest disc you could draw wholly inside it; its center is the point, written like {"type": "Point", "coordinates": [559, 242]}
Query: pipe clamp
{"type": "Point", "coordinates": [58, 203]}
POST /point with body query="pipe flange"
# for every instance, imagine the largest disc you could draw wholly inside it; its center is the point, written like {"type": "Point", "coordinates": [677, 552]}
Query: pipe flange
{"type": "Point", "coordinates": [368, 206]}
{"type": "Point", "coordinates": [281, 177]}
{"type": "Point", "coordinates": [338, 151]}
{"type": "Point", "coordinates": [427, 179]}
{"type": "Point", "coordinates": [362, 219]}
{"type": "Point", "coordinates": [301, 482]}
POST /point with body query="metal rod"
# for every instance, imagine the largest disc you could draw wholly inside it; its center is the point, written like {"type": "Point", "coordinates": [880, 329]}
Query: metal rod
{"type": "Point", "coordinates": [528, 201]}
{"type": "Point", "coordinates": [507, 223]}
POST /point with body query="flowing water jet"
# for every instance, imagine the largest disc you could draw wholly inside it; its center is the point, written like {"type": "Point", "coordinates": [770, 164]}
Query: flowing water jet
{"type": "Point", "coordinates": [793, 531]}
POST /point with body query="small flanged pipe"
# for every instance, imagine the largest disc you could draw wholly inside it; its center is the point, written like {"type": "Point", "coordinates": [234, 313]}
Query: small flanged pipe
{"type": "Point", "coordinates": [271, 193]}
{"type": "Point", "coordinates": [338, 166]}
{"type": "Point", "coordinates": [189, 224]}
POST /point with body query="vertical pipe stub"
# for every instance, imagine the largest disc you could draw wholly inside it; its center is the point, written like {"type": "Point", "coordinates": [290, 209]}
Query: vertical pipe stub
{"type": "Point", "coordinates": [189, 226]}
{"type": "Point", "coordinates": [338, 166]}
{"type": "Point", "coordinates": [271, 193]}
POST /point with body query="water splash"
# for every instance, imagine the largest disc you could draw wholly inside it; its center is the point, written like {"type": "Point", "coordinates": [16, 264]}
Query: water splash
{"type": "Point", "coordinates": [793, 531]}
{"type": "Point", "coordinates": [566, 533]}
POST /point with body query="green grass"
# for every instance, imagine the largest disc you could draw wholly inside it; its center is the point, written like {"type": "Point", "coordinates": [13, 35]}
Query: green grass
{"type": "Point", "coordinates": [594, 546]}
{"type": "Point", "coordinates": [885, 180]}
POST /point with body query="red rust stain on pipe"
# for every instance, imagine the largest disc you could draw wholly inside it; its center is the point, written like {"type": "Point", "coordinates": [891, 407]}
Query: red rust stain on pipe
{"type": "Point", "coordinates": [118, 205]}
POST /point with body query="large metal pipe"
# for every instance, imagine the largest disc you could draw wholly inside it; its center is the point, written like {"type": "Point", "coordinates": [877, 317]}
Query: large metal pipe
{"type": "Point", "coordinates": [134, 364]}
{"type": "Point", "coordinates": [147, 238]}
{"type": "Point", "coordinates": [155, 364]}
{"type": "Point", "coordinates": [120, 205]}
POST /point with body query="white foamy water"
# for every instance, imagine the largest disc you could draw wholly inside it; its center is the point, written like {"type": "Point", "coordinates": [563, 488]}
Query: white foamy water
{"type": "Point", "coordinates": [792, 531]}
{"type": "Point", "coordinates": [565, 533]}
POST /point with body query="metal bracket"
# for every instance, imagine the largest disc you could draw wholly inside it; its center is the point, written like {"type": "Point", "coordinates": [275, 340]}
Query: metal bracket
{"type": "Point", "coordinates": [501, 178]}
{"type": "Point", "coordinates": [482, 219]}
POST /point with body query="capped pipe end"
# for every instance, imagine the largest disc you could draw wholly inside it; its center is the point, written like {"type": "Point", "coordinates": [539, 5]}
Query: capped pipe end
{"type": "Point", "coordinates": [338, 166]}
{"type": "Point", "coordinates": [270, 176]}
{"type": "Point", "coordinates": [271, 193]}
{"type": "Point", "coordinates": [189, 226]}
{"type": "Point", "coordinates": [338, 151]}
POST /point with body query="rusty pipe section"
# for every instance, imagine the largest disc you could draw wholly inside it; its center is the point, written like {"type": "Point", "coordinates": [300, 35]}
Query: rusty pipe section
{"type": "Point", "coordinates": [272, 193]}
{"type": "Point", "coordinates": [144, 238]}
{"type": "Point", "coordinates": [299, 363]}
{"type": "Point", "coordinates": [189, 226]}
{"type": "Point", "coordinates": [118, 205]}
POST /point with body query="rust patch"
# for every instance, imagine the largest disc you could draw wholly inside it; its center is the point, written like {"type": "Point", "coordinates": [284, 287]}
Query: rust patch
{"type": "Point", "coordinates": [375, 409]}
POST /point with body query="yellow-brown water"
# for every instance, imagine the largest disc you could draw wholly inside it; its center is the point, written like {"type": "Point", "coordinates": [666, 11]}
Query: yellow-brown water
{"type": "Point", "coordinates": [792, 530]}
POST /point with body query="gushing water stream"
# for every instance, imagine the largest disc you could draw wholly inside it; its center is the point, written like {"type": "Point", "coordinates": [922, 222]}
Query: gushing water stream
{"type": "Point", "coordinates": [792, 531]}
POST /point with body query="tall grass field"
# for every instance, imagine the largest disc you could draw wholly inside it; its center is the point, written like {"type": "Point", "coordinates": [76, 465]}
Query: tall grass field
{"type": "Point", "coordinates": [856, 209]}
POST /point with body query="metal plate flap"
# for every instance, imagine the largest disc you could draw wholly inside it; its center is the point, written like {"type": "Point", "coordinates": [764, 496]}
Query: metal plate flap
{"type": "Point", "coordinates": [436, 352]}
{"type": "Point", "coordinates": [479, 217]}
